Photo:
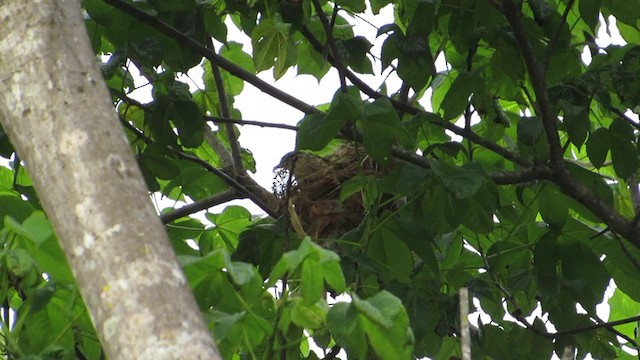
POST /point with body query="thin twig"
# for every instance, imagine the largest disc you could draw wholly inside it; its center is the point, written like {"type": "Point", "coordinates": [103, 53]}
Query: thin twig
{"type": "Point", "coordinates": [594, 327]}
{"type": "Point", "coordinates": [242, 190]}
{"type": "Point", "coordinates": [251, 122]}
{"type": "Point", "coordinates": [229, 180]}
{"type": "Point", "coordinates": [339, 64]}
{"type": "Point", "coordinates": [335, 350]}
{"type": "Point", "coordinates": [612, 330]}
{"type": "Point", "coordinates": [210, 55]}
{"type": "Point", "coordinates": [238, 166]}
{"type": "Point", "coordinates": [200, 205]}
{"type": "Point", "coordinates": [556, 35]}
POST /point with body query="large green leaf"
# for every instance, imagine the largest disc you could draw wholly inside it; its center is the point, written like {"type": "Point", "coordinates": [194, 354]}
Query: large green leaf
{"type": "Point", "coordinates": [316, 130]}
{"type": "Point", "coordinates": [464, 181]}
{"type": "Point", "coordinates": [271, 46]}
{"type": "Point", "coordinates": [598, 146]}
{"type": "Point", "coordinates": [189, 123]}
{"type": "Point", "coordinates": [354, 53]}
{"type": "Point", "coordinates": [381, 127]}
{"type": "Point", "coordinates": [457, 97]}
{"type": "Point", "coordinates": [391, 255]}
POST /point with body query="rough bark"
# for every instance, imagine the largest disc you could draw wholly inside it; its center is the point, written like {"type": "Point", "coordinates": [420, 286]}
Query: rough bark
{"type": "Point", "coordinates": [56, 110]}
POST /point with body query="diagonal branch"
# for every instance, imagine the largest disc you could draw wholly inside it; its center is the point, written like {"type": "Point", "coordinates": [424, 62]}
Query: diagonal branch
{"type": "Point", "coordinates": [339, 64]}
{"type": "Point", "coordinates": [210, 55]}
{"type": "Point", "coordinates": [577, 191]}
{"type": "Point", "coordinates": [200, 205]}
{"type": "Point", "coordinates": [549, 120]}
{"type": "Point", "coordinates": [244, 186]}
{"type": "Point", "coordinates": [465, 133]}
{"type": "Point", "coordinates": [238, 166]}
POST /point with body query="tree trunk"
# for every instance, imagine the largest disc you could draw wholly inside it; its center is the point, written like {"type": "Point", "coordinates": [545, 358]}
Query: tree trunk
{"type": "Point", "coordinates": [56, 110]}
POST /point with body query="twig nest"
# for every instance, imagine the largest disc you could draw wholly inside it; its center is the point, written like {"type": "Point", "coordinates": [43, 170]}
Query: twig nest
{"type": "Point", "coordinates": [312, 185]}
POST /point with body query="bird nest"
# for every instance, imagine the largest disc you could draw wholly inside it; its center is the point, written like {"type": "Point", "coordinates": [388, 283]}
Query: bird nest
{"type": "Point", "coordinates": [312, 186]}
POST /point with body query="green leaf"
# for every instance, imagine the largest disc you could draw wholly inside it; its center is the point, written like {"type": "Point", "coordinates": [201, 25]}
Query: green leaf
{"type": "Point", "coordinates": [19, 262]}
{"type": "Point", "coordinates": [380, 127]}
{"type": "Point", "coordinates": [464, 181]}
{"type": "Point", "coordinates": [415, 62]}
{"type": "Point", "coordinates": [386, 325]}
{"type": "Point", "coordinates": [158, 160]}
{"type": "Point", "coordinates": [36, 227]}
{"type": "Point", "coordinates": [342, 321]}
{"type": "Point", "coordinates": [158, 121]}
{"type": "Point", "coordinates": [317, 130]}
{"type": "Point", "coordinates": [233, 52]}
{"type": "Point", "coordinates": [506, 60]}
{"type": "Point", "coordinates": [371, 312]}
{"type": "Point", "coordinates": [390, 49]}
{"type": "Point", "coordinates": [391, 255]}
{"type": "Point", "coordinates": [621, 129]}
{"type": "Point", "coordinates": [530, 130]}
{"type": "Point", "coordinates": [624, 11]}
{"type": "Point", "coordinates": [598, 146]}
{"type": "Point", "coordinates": [577, 127]}
{"type": "Point", "coordinates": [623, 307]}
{"type": "Point", "coordinates": [311, 282]}
{"type": "Point", "coordinates": [214, 25]}
{"type": "Point", "coordinates": [309, 316]}
{"type": "Point", "coordinates": [332, 273]}
{"type": "Point", "coordinates": [623, 150]}
{"type": "Point", "coordinates": [589, 12]}
{"type": "Point", "coordinates": [357, 6]}
{"type": "Point", "coordinates": [311, 62]}
{"type": "Point", "coordinates": [230, 224]}
{"type": "Point", "coordinates": [354, 53]}
{"type": "Point", "coordinates": [586, 274]}
{"type": "Point", "coordinates": [271, 47]}
{"type": "Point", "coordinates": [189, 122]}
{"type": "Point", "coordinates": [624, 157]}
{"type": "Point", "coordinates": [377, 5]}
{"type": "Point", "coordinates": [553, 208]}
{"type": "Point", "coordinates": [457, 97]}
{"type": "Point", "coordinates": [15, 207]}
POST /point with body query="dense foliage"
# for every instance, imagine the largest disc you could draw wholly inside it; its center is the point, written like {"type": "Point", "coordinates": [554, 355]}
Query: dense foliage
{"type": "Point", "coordinates": [511, 171]}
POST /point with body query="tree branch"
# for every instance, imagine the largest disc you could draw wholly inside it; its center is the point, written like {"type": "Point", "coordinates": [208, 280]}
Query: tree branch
{"type": "Point", "coordinates": [243, 184]}
{"type": "Point", "coordinates": [556, 35]}
{"type": "Point", "coordinates": [338, 63]}
{"type": "Point", "coordinates": [210, 55]}
{"type": "Point", "coordinates": [577, 191]}
{"type": "Point", "coordinates": [549, 120]}
{"type": "Point", "coordinates": [465, 133]}
{"type": "Point", "coordinates": [242, 190]}
{"type": "Point", "coordinates": [595, 327]}
{"type": "Point", "coordinates": [200, 205]}
{"type": "Point", "coordinates": [238, 166]}
{"type": "Point", "coordinates": [251, 122]}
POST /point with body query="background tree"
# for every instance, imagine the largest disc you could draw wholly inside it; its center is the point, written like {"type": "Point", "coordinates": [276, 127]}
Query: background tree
{"type": "Point", "coordinates": [511, 170]}
{"type": "Point", "coordinates": [95, 197]}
